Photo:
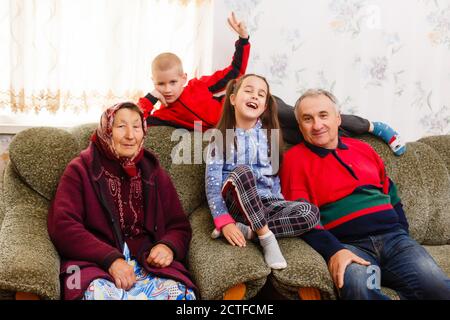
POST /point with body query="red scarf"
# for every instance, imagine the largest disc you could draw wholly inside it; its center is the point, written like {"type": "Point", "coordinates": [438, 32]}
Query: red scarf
{"type": "Point", "coordinates": [102, 138]}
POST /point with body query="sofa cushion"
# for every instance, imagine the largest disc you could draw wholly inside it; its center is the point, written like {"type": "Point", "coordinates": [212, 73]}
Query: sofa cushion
{"type": "Point", "coordinates": [216, 266]}
{"type": "Point", "coordinates": [40, 155]}
{"type": "Point", "coordinates": [305, 268]}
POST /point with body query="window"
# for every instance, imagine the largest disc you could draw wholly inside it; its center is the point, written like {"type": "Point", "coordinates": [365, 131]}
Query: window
{"type": "Point", "coordinates": [63, 61]}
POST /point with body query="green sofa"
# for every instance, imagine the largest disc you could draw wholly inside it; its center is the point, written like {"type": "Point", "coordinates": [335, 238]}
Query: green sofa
{"type": "Point", "coordinates": [38, 156]}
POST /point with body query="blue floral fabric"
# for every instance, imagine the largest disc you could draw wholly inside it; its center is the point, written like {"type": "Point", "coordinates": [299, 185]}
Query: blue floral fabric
{"type": "Point", "coordinates": [147, 287]}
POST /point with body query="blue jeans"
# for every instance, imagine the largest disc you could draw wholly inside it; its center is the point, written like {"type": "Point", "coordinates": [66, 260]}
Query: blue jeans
{"type": "Point", "coordinates": [397, 262]}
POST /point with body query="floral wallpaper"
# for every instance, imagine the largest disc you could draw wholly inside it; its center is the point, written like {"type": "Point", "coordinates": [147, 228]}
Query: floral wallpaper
{"type": "Point", "coordinates": [384, 60]}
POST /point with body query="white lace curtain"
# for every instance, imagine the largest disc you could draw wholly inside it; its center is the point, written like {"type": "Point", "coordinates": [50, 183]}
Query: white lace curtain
{"type": "Point", "coordinates": [82, 56]}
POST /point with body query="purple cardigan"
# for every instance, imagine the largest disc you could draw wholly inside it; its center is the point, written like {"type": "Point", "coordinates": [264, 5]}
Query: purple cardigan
{"type": "Point", "coordinates": [82, 219]}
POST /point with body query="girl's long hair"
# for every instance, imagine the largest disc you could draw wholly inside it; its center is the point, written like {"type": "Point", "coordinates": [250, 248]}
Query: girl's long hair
{"type": "Point", "coordinates": [269, 118]}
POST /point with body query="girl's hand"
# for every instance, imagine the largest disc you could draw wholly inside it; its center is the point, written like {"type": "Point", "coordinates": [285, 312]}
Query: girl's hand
{"type": "Point", "coordinates": [238, 26]}
{"type": "Point", "coordinates": [123, 274]}
{"type": "Point", "coordinates": [234, 236]}
{"type": "Point", "coordinates": [160, 256]}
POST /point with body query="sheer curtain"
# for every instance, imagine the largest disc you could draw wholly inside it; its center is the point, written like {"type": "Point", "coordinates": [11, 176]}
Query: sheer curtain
{"type": "Point", "coordinates": [63, 61]}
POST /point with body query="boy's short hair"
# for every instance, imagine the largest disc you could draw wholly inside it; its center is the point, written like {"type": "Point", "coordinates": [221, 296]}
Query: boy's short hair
{"type": "Point", "coordinates": [165, 61]}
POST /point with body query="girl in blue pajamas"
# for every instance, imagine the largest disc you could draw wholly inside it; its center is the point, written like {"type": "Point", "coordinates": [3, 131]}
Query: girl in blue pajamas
{"type": "Point", "coordinates": [243, 191]}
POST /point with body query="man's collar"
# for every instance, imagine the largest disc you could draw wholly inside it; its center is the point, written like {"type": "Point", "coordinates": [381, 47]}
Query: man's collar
{"type": "Point", "coordinates": [323, 152]}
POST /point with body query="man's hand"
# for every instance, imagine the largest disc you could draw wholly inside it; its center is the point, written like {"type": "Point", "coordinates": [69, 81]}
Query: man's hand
{"type": "Point", "coordinates": [339, 262]}
{"type": "Point", "coordinates": [160, 256]}
{"type": "Point", "coordinates": [159, 96]}
{"type": "Point", "coordinates": [234, 236]}
{"type": "Point", "coordinates": [123, 274]}
{"type": "Point", "coordinates": [238, 26]}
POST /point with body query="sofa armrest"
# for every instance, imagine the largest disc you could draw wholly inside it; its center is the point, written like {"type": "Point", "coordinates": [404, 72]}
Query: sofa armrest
{"type": "Point", "coordinates": [305, 269]}
{"type": "Point", "coordinates": [216, 266]}
{"type": "Point", "coordinates": [28, 259]}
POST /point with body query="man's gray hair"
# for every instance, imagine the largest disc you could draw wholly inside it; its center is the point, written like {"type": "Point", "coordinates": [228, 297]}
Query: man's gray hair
{"type": "Point", "coordinates": [315, 93]}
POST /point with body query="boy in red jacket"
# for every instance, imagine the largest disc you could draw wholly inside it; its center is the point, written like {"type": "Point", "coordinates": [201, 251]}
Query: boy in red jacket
{"type": "Point", "coordinates": [174, 104]}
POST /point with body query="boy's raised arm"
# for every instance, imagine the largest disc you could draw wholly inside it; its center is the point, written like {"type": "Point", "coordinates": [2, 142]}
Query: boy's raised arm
{"type": "Point", "coordinates": [218, 81]}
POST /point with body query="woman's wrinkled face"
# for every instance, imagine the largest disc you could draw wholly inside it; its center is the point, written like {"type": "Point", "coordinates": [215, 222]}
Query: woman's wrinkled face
{"type": "Point", "coordinates": [127, 132]}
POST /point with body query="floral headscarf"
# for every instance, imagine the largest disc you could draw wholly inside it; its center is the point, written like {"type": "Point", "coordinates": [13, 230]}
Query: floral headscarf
{"type": "Point", "coordinates": [102, 138]}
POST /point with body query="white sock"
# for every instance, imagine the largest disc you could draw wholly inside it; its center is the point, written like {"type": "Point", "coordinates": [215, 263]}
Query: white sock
{"type": "Point", "coordinates": [272, 253]}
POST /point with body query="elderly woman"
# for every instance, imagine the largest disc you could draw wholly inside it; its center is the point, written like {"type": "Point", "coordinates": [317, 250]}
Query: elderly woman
{"type": "Point", "coordinates": [116, 219]}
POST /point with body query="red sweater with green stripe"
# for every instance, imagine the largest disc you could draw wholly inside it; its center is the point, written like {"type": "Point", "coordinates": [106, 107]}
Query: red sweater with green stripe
{"type": "Point", "coordinates": [351, 188]}
{"type": "Point", "coordinates": [197, 101]}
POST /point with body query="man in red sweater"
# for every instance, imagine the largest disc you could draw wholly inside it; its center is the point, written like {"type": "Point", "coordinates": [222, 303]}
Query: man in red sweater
{"type": "Point", "coordinates": [174, 104]}
{"type": "Point", "coordinates": [363, 227]}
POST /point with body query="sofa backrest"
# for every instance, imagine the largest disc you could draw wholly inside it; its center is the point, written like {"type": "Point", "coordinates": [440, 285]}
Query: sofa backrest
{"type": "Point", "coordinates": [441, 144]}
{"type": "Point", "coordinates": [40, 155]}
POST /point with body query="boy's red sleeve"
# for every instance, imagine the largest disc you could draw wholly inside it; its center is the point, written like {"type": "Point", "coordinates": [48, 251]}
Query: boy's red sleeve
{"type": "Point", "coordinates": [218, 81]}
{"type": "Point", "coordinates": [147, 104]}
